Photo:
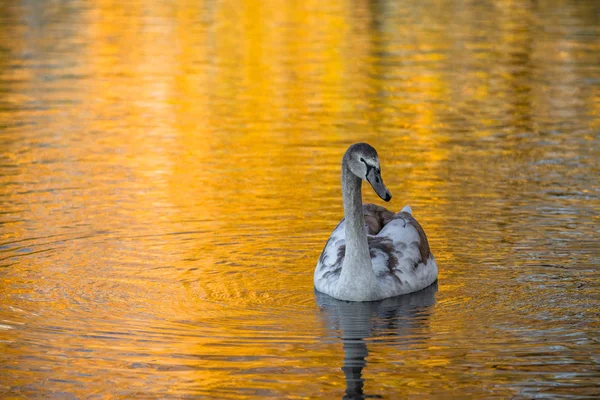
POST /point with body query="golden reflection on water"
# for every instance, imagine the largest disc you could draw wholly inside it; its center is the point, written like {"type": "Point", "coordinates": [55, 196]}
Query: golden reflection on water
{"type": "Point", "coordinates": [170, 172]}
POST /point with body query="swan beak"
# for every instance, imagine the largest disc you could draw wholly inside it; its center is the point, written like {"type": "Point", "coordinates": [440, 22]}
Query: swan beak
{"type": "Point", "coordinates": [377, 184]}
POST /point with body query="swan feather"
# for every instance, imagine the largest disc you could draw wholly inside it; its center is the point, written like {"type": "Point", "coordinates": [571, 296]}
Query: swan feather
{"type": "Point", "coordinates": [399, 250]}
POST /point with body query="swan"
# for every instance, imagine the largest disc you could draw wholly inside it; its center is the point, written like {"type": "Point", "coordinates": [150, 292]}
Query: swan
{"type": "Point", "coordinates": [373, 253]}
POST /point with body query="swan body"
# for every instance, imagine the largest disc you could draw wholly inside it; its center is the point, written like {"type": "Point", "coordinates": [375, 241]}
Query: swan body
{"type": "Point", "coordinates": [373, 253]}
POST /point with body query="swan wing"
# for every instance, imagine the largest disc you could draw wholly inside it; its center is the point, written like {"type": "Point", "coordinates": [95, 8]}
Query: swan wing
{"type": "Point", "coordinates": [401, 258]}
{"type": "Point", "coordinates": [330, 263]}
{"type": "Point", "coordinates": [400, 255]}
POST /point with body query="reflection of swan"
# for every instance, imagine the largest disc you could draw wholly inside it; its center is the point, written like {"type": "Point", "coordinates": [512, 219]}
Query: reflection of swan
{"type": "Point", "coordinates": [401, 316]}
{"type": "Point", "coordinates": [388, 256]}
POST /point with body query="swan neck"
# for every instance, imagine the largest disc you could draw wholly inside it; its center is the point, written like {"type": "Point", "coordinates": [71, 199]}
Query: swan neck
{"type": "Point", "coordinates": [357, 247]}
{"type": "Point", "coordinates": [357, 280]}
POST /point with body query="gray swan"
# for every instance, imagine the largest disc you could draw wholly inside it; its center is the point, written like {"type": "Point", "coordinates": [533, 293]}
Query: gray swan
{"type": "Point", "coordinates": [373, 253]}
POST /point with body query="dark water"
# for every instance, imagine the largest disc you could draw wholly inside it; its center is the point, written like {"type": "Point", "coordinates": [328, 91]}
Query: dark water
{"type": "Point", "coordinates": [169, 173]}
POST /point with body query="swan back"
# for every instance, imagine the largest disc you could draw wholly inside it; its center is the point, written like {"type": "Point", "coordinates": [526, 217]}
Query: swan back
{"type": "Point", "coordinates": [400, 255]}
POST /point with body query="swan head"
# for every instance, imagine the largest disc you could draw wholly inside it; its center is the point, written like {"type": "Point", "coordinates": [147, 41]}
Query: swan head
{"type": "Point", "coordinates": [362, 160]}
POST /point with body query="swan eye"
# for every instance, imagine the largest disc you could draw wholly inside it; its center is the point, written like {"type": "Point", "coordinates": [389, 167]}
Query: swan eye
{"type": "Point", "coordinates": [369, 167]}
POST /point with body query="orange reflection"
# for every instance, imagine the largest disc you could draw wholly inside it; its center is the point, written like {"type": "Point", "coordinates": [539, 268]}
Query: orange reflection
{"type": "Point", "coordinates": [173, 172]}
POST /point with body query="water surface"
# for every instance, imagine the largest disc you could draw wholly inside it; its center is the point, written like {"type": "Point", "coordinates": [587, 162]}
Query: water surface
{"type": "Point", "coordinates": [169, 174]}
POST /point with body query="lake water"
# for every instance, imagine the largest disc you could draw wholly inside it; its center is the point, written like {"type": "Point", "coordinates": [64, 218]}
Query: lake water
{"type": "Point", "coordinates": [170, 172]}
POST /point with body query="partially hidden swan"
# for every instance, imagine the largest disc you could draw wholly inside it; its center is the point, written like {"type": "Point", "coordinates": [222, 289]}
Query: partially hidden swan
{"type": "Point", "coordinates": [373, 253]}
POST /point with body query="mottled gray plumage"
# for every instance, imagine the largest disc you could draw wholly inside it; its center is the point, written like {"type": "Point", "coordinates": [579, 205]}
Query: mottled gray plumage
{"type": "Point", "coordinates": [373, 253]}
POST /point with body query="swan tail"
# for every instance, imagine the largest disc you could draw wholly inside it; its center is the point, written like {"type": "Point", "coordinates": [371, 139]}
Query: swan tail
{"type": "Point", "coordinates": [407, 209]}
